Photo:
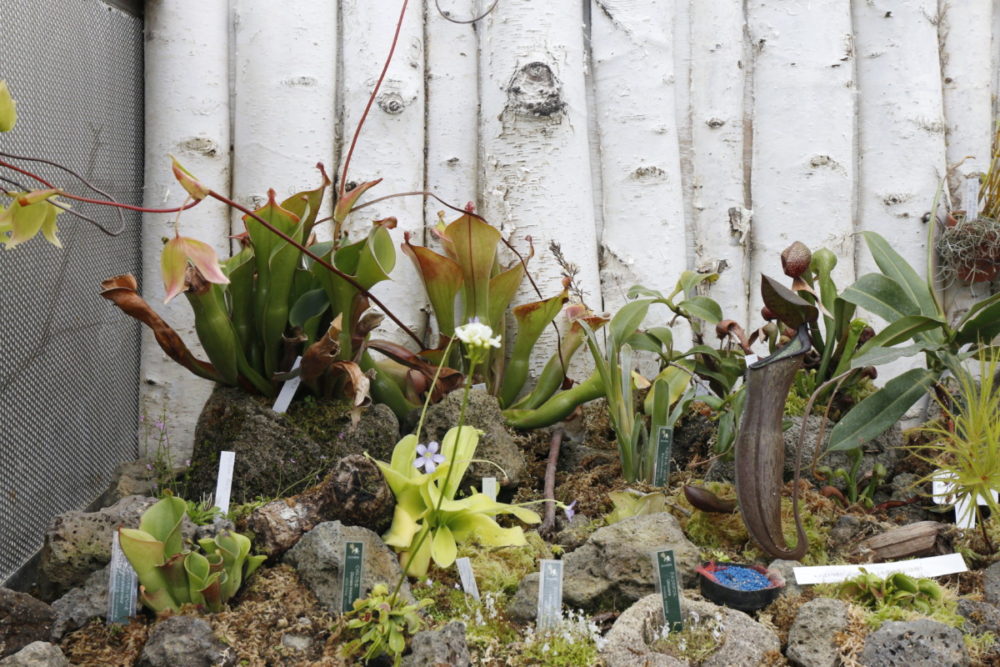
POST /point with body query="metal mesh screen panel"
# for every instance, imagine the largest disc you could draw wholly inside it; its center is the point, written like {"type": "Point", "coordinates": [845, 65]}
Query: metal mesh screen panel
{"type": "Point", "coordinates": [69, 360]}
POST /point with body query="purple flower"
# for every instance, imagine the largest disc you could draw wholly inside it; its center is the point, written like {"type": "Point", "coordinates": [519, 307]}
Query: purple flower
{"type": "Point", "coordinates": [158, 424]}
{"type": "Point", "coordinates": [569, 511]}
{"type": "Point", "coordinates": [428, 458]}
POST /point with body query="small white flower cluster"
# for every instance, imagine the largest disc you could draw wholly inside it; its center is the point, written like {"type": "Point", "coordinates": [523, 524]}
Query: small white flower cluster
{"type": "Point", "coordinates": [476, 334]}
{"type": "Point", "coordinates": [573, 627]}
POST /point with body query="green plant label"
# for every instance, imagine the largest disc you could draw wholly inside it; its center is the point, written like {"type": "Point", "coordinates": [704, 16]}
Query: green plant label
{"type": "Point", "coordinates": [490, 488]}
{"type": "Point", "coordinates": [550, 582]}
{"type": "Point", "coordinates": [670, 595]}
{"type": "Point", "coordinates": [288, 390]}
{"type": "Point", "coordinates": [664, 445]}
{"type": "Point", "coordinates": [354, 557]}
{"type": "Point", "coordinates": [468, 578]}
{"type": "Point", "coordinates": [224, 485]}
{"type": "Point", "coordinates": [122, 585]}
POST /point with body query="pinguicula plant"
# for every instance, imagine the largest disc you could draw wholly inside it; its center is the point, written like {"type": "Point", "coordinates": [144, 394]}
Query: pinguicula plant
{"type": "Point", "coordinates": [430, 520]}
{"type": "Point", "coordinates": [170, 575]}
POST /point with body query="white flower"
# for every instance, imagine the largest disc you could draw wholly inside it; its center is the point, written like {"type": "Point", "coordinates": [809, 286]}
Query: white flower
{"type": "Point", "coordinates": [477, 334]}
{"type": "Point", "coordinates": [429, 458]}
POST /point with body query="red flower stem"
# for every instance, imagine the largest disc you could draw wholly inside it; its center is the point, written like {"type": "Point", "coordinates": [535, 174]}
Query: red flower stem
{"type": "Point", "coordinates": [319, 260]}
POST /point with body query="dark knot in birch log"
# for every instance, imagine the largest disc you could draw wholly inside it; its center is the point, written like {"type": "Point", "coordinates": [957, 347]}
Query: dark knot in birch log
{"type": "Point", "coordinates": [535, 91]}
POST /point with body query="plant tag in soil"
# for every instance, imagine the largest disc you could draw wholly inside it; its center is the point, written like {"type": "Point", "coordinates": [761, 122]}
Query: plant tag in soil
{"type": "Point", "coordinates": [465, 573]}
{"type": "Point", "coordinates": [664, 445]}
{"type": "Point", "coordinates": [354, 556]}
{"type": "Point", "coordinates": [550, 583]}
{"type": "Point", "coordinates": [934, 566]}
{"type": "Point", "coordinates": [970, 199]}
{"type": "Point", "coordinates": [670, 592]}
{"type": "Point", "coordinates": [122, 584]}
{"type": "Point", "coordinates": [224, 485]}
{"type": "Point", "coordinates": [490, 488]}
{"type": "Point", "coordinates": [288, 390]}
{"type": "Point", "coordinates": [942, 489]}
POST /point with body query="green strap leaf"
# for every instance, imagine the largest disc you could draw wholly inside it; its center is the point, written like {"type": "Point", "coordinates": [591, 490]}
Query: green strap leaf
{"type": "Point", "coordinates": [881, 295]}
{"type": "Point", "coordinates": [874, 415]}
{"type": "Point", "coordinates": [898, 269]}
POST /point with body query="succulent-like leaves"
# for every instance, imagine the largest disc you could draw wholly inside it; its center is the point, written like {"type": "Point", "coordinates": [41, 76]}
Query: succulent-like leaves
{"type": "Point", "coordinates": [28, 214]}
{"type": "Point", "coordinates": [305, 205]}
{"type": "Point", "coordinates": [475, 246]}
{"type": "Point", "coordinates": [8, 108]}
{"type": "Point", "coordinates": [442, 277]}
{"type": "Point", "coordinates": [532, 318]}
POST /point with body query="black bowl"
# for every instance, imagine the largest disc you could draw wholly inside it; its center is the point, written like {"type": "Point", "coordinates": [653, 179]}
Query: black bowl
{"type": "Point", "coordinates": [735, 598]}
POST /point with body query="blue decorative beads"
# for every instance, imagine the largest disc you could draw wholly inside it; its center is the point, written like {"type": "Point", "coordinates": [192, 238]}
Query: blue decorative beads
{"type": "Point", "coordinates": [742, 579]}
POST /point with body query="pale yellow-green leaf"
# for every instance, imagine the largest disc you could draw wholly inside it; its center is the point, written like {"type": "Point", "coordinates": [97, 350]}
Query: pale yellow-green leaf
{"type": "Point", "coordinates": [443, 548]}
{"type": "Point", "coordinates": [8, 108]}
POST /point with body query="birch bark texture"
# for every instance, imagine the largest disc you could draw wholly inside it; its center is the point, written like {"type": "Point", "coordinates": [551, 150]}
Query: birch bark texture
{"type": "Point", "coordinates": [803, 133]}
{"type": "Point", "coordinates": [640, 152]}
{"type": "Point", "coordinates": [285, 83]}
{"type": "Point", "coordinates": [391, 144]}
{"type": "Point", "coordinates": [187, 115]}
{"type": "Point", "coordinates": [536, 178]}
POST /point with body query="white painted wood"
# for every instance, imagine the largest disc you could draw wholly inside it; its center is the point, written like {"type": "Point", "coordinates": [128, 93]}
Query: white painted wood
{"type": "Point", "coordinates": [285, 80]}
{"type": "Point", "coordinates": [391, 145]}
{"type": "Point", "coordinates": [721, 237]}
{"type": "Point", "coordinates": [452, 108]}
{"type": "Point", "coordinates": [803, 134]}
{"type": "Point", "coordinates": [187, 115]}
{"type": "Point", "coordinates": [640, 168]}
{"type": "Point", "coordinates": [902, 152]}
{"type": "Point", "coordinates": [535, 157]}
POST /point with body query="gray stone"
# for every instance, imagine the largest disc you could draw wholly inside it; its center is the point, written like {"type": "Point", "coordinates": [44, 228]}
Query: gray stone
{"type": "Point", "coordinates": [439, 648]}
{"type": "Point", "coordinates": [614, 567]}
{"type": "Point", "coordinates": [721, 471]}
{"type": "Point", "coordinates": [980, 617]}
{"type": "Point", "coordinates": [296, 642]}
{"type": "Point", "coordinates": [496, 444]}
{"type": "Point", "coordinates": [81, 604]}
{"type": "Point", "coordinates": [274, 451]}
{"type": "Point", "coordinates": [185, 640]}
{"type": "Point", "coordinates": [23, 620]}
{"type": "Point", "coordinates": [785, 569]}
{"type": "Point", "coordinates": [132, 478]}
{"type": "Point", "coordinates": [884, 449]}
{"type": "Point", "coordinates": [811, 639]}
{"type": "Point", "coordinates": [78, 543]}
{"type": "Point", "coordinates": [991, 584]}
{"type": "Point", "coordinates": [746, 642]}
{"type": "Point", "coordinates": [920, 643]}
{"type": "Point", "coordinates": [523, 606]}
{"type": "Point", "coordinates": [319, 557]}
{"type": "Point", "coordinates": [37, 654]}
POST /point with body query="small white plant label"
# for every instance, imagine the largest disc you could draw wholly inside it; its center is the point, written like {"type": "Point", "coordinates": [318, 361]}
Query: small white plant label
{"type": "Point", "coordinates": [122, 585]}
{"type": "Point", "coordinates": [288, 390]}
{"type": "Point", "coordinates": [490, 488]}
{"type": "Point", "coordinates": [354, 558]}
{"type": "Point", "coordinates": [468, 578]}
{"type": "Point", "coordinates": [970, 200]}
{"type": "Point", "coordinates": [666, 582]}
{"type": "Point", "coordinates": [481, 386]}
{"type": "Point", "coordinates": [661, 465]}
{"type": "Point", "coordinates": [224, 485]}
{"type": "Point", "coordinates": [751, 359]}
{"type": "Point", "coordinates": [943, 490]}
{"type": "Point", "coordinates": [934, 566]}
{"type": "Point", "coordinates": [550, 583]}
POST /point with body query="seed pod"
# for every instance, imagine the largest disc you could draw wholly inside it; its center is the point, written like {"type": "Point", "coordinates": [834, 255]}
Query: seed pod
{"type": "Point", "coordinates": [795, 259]}
{"type": "Point", "coordinates": [869, 372]}
{"type": "Point", "coordinates": [768, 314]}
{"type": "Point", "coordinates": [866, 335]}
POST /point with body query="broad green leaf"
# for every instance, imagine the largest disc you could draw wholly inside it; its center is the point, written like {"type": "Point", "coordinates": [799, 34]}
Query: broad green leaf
{"type": "Point", "coordinates": [977, 307]}
{"type": "Point", "coordinates": [636, 291]}
{"type": "Point", "coordinates": [306, 205]}
{"type": "Point", "coordinates": [671, 382]}
{"type": "Point", "coordinates": [689, 280]}
{"type": "Point", "coordinates": [8, 108]}
{"type": "Point", "coordinates": [877, 356]}
{"type": "Point", "coordinates": [881, 295]}
{"type": "Point", "coordinates": [442, 278]}
{"type": "Point", "coordinates": [703, 307]}
{"type": "Point", "coordinates": [872, 416]}
{"type": "Point", "coordinates": [475, 246]}
{"type": "Point", "coordinates": [443, 548]}
{"type": "Point", "coordinates": [532, 318]}
{"type": "Point", "coordinates": [503, 287]}
{"type": "Point", "coordinates": [627, 320]}
{"type": "Point", "coordinates": [903, 329]}
{"type": "Point", "coordinates": [346, 203]}
{"type": "Point", "coordinates": [163, 521]}
{"type": "Point", "coordinates": [790, 308]}
{"type": "Point", "coordinates": [309, 305]}
{"type": "Point", "coordinates": [982, 327]}
{"type": "Point", "coordinates": [896, 268]}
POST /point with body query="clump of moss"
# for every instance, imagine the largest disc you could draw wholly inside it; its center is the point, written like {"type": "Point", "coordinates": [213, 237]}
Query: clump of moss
{"type": "Point", "coordinates": [502, 569]}
{"type": "Point", "coordinates": [574, 640]}
{"type": "Point", "coordinates": [699, 639]}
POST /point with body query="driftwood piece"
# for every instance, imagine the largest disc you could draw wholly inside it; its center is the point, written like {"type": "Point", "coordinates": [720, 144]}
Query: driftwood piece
{"type": "Point", "coordinates": [915, 539]}
{"type": "Point", "coordinates": [354, 493]}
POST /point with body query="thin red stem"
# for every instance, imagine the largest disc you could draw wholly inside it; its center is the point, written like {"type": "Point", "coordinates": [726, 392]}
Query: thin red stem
{"type": "Point", "coordinates": [371, 100]}
{"type": "Point", "coordinates": [129, 207]}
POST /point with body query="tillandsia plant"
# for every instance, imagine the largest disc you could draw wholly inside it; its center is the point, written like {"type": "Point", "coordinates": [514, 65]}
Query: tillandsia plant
{"type": "Point", "coordinates": [171, 576]}
{"type": "Point", "coordinates": [966, 444]}
{"type": "Point", "coordinates": [429, 521]}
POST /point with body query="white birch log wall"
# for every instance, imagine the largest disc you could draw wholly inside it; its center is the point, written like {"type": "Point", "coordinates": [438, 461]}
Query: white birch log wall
{"type": "Point", "coordinates": [654, 137]}
{"type": "Point", "coordinates": [187, 115]}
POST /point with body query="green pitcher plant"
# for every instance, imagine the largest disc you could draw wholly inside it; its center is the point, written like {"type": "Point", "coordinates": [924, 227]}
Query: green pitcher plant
{"type": "Point", "coordinates": [171, 576]}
